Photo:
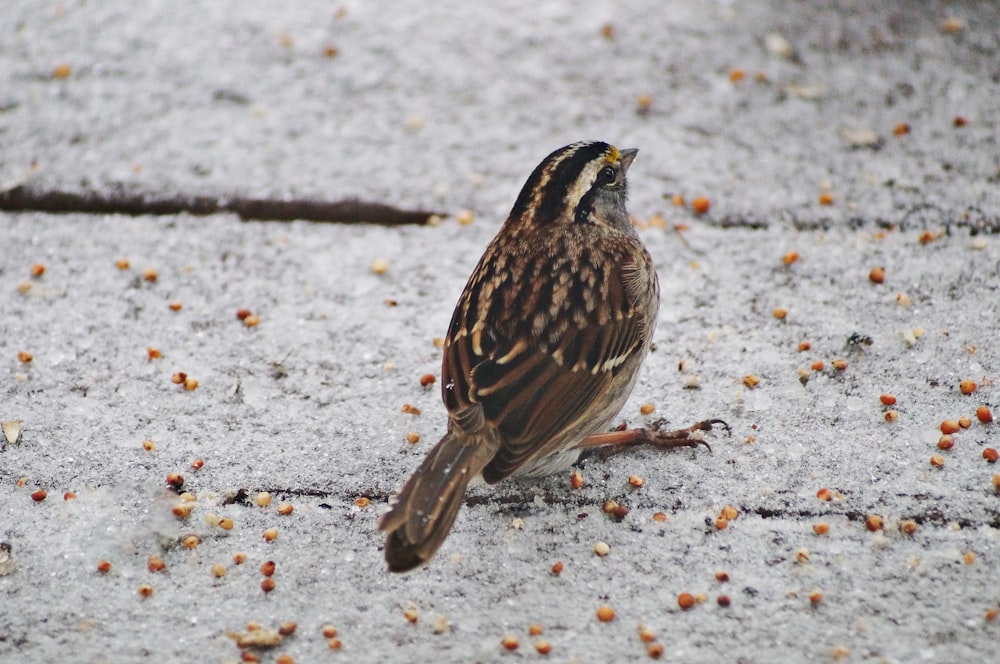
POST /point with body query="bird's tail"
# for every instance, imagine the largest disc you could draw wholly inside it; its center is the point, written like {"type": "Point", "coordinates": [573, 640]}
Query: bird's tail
{"type": "Point", "coordinates": [425, 508]}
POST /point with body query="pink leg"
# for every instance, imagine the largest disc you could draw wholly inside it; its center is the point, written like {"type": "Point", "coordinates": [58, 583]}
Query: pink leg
{"type": "Point", "coordinates": [622, 439]}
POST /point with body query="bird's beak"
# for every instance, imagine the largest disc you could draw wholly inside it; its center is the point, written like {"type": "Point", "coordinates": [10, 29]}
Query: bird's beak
{"type": "Point", "coordinates": [628, 156]}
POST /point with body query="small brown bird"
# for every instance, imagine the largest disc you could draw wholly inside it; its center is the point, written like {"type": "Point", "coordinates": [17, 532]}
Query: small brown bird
{"type": "Point", "coordinates": [543, 348]}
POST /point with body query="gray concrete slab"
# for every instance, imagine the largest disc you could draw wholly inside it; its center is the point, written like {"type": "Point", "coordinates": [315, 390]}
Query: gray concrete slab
{"type": "Point", "coordinates": [450, 108]}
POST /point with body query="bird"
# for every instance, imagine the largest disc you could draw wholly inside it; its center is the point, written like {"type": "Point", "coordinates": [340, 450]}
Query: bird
{"type": "Point", "coordinates": [543, 348]}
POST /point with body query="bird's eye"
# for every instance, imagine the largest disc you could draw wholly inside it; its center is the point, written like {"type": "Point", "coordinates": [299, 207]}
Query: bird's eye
{"type": "Point", "coordinates": [606, 176]}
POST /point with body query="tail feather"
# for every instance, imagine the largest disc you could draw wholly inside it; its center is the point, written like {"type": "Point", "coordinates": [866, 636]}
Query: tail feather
{"type": "Point", "coordinates": [428, 503]}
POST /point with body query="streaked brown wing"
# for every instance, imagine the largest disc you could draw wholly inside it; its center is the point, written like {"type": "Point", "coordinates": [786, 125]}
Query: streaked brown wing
{"type": "Point", "coordinates": [533, 393]}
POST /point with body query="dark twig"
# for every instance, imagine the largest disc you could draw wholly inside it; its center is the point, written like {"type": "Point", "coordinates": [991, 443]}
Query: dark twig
{"type": "Point", "coordinates": [20, 198]}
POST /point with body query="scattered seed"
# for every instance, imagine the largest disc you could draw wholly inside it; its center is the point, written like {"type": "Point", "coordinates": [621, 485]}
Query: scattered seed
{"type": "Point", "coordinates": [967, 386]}
{"type": "Point", "coordinates": [284, 509]}
{"type": "Point", "coordinates": [964, 422]}
{"type": "Point", "coordinates": [39, 495]}
{"type": "Point", "coordinates": [464, 217]}
{"type": "Point", "coordinates": [24, 357]}
{"type": "Point", "coordinates": [380, 266]}
{"type": "Point", "coordinates": [271, 534]}
{"type": "Point", "coordinates": [155, 563]}
{"type": "Point", "coordinates": [602, 549]}
{"type": "Point", "coordinates": [69, 495]}
{"type": "Point", "coordinates": [267, 569]}
{"type": "Point", "coordinates": [949, 426]}
{"type": "Point", "coordinates": [557, 568]}
{"type": "Point", "coordinates": [908, 527]}
{"type": "Point", "coordinates": [818, 365]}
{"type": "Point", "coordinates": [659, 516]}
{"type": "Point", "coordinates": [510, 642]}
{"type": "Point", "coordinates": [945, 442]}
{"type": "Point", "coordinates": [122, 264]}
{"type": "Point", "coordinates": [887, 400]}
{"type": "Point", "coordinates": [722, 576]}
{"type": "Point", "coordinates": [926, 237]}
{"type": "Point", "coordinates": [991, 614]}
{"type": "Point", "coordinates": [655, 650]}
{"type": "Point", "coordinates": [815, 597]}
{"type": "Point", "coordinates": [790, 257]}
{"type": "Point", "coordinates": [263, 499]}
{"type": "Point", "coordinates": [576, 479]}
{"type": "Point", "coordinates": [605, 613]}
{"type": "Point", "coordinates": [239, 558]}
{"type": "Point", "coordinates": [891, 415]}
{"type": "Point", "coordinates": [175, 481]}
{"type": "Point", "coordinates": [877, 275]}
{"type": "Point", "coordinates": [685, 601]}
{"type": "Point", "coordinates": [103, 566]}
{"type": "Point", "coordinates": [219, 570]}
{"type": "Point", "coordinates": [990, 455]}
{"type": "Point", "coordinates": [751, 380]}
{"type": "Point", "coordinates": [984, 415]}
{"type": "Point", "coordinates": [821, 528]}
{"type": "Point", "coordinates": [647, 408]}
{"type": "Point", "coordinates": [839, 364]}
{"type": "Point", "coordinates": [190, 384]}
{"type": "Point", "coordinates": [824, 494]}
{"type": "Point", "coordinates": [226, 523]}
{"type": "Point", "coordinates": [635, 481]}
{"type": "Point", "coordinates": [700, 205]}
{"type": "Point", "coordinates": [780, 313]}
{"type": "Point", "coordinates": [153, 353]}
{"type": "Point", "coordinates": [873, 522]}
{"type": "Point", "coordinates": [149, 274]}
{"type": "Point", "coordinates": [410, 410]}
{"type": "Point", "coordinates": [901, 129]}
{"type": "Point", "coordinates": [268, 584]}
{"type": "Point", "coordinates": [253, 320]}
{"type": "Point", "coordinates": [804, 346]}
{"type": "Point", "coordinates": [826, 198]}
{"type": "Point", "coordinates": [937, 460]}
{"type": "Point", "coordinates": [146, 590]}
{"type": "Point", "coordinates": [334, 644]}
{"type": "Point", "coordinates": [723, 601]}
{"type": "Point", "coordinates": [543, 647]}
{"type": "Point", "coordinates": [413, 437]}
{"type": "Point", "coordinates": [411, 615]}
{"type": "Point", "coordinates": [969, 557]}
{"type": "Point", "coordinates": [802, 556]}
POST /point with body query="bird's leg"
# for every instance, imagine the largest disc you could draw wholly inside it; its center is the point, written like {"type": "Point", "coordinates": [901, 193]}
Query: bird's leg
{"type": "Point", "coordinates": [622, 439]}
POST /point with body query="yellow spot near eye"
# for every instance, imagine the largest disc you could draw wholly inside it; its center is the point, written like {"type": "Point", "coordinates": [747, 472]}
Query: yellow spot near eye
{"type": "Point", "coordinates": [613, 155]}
